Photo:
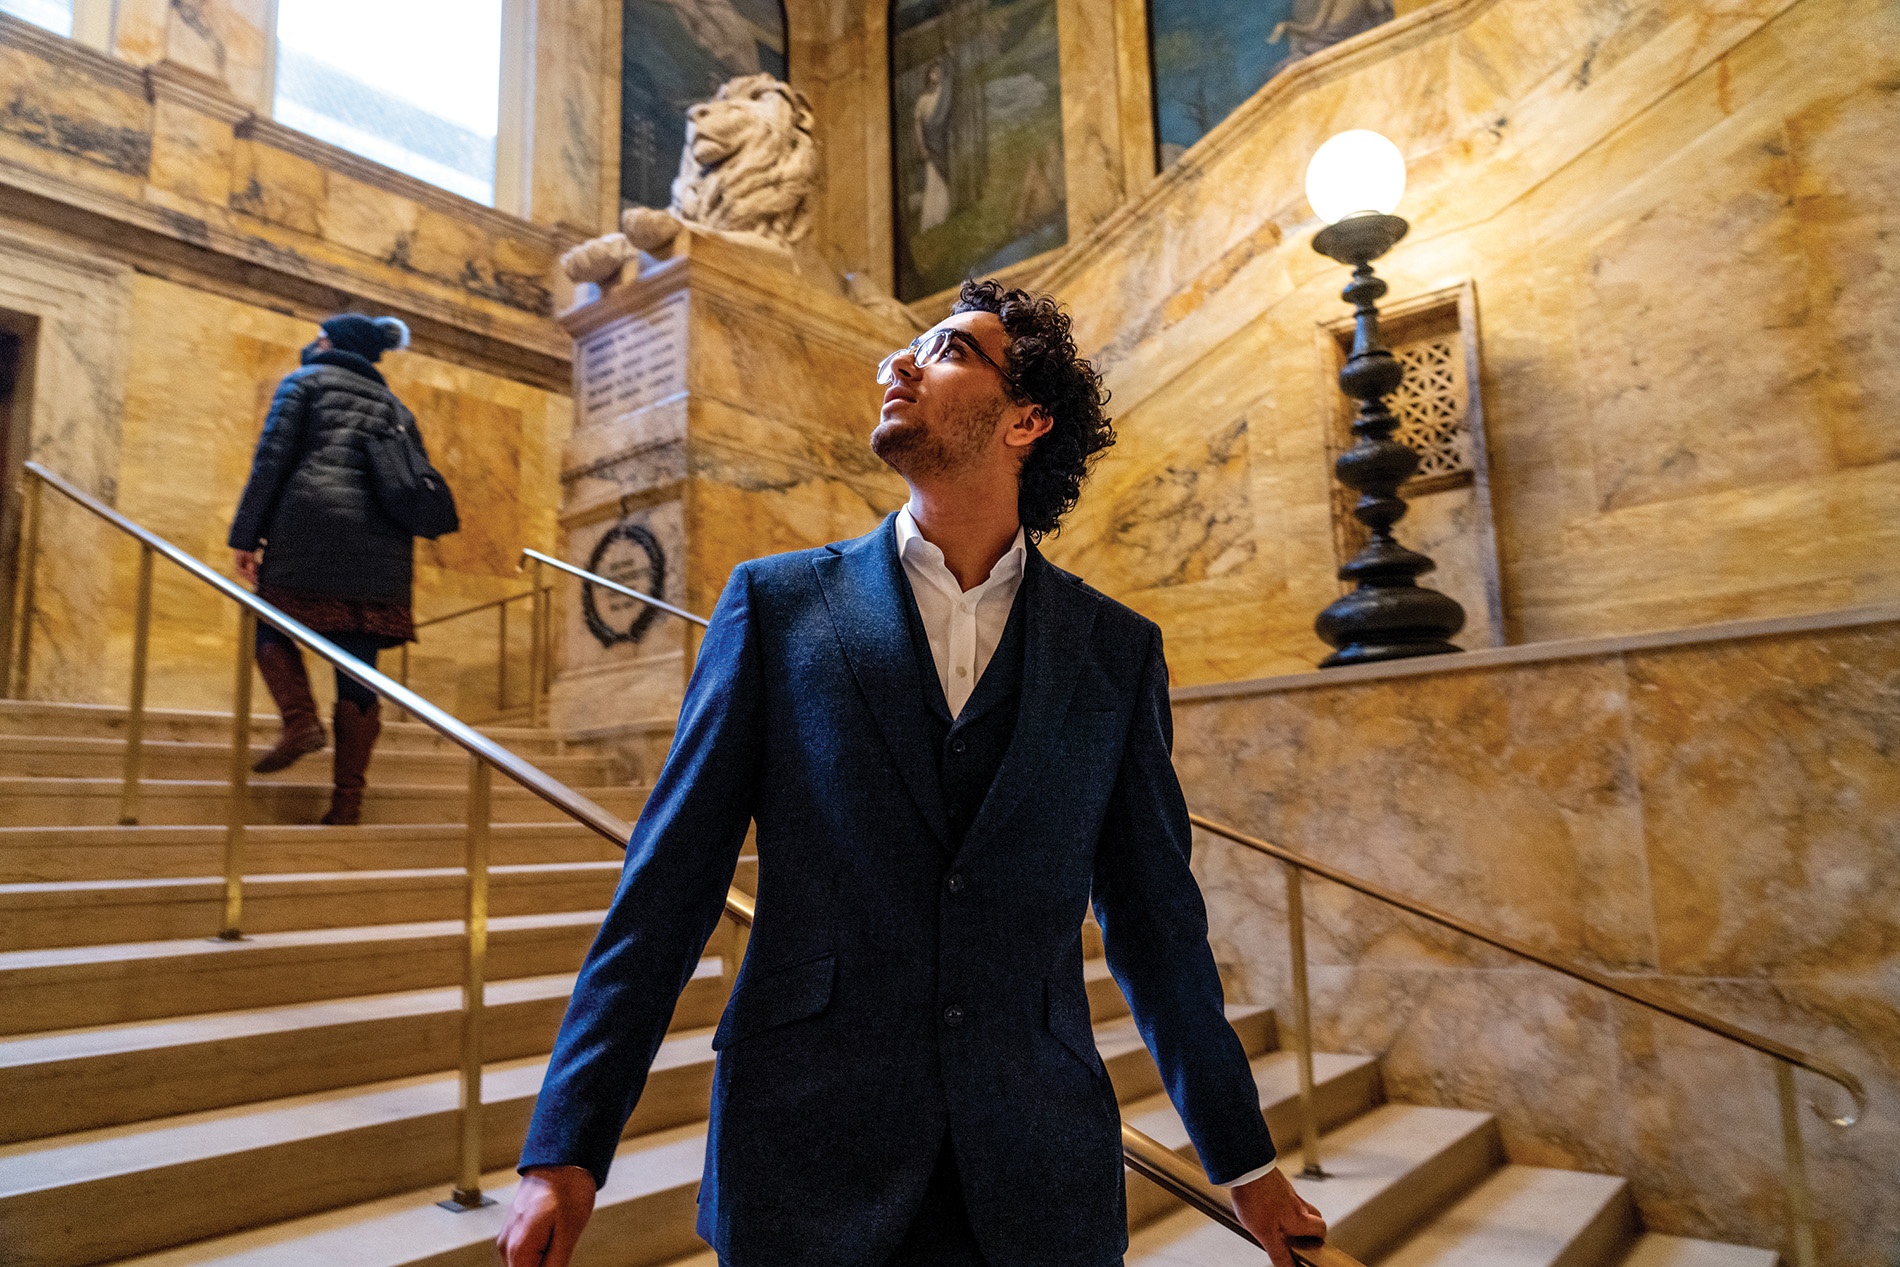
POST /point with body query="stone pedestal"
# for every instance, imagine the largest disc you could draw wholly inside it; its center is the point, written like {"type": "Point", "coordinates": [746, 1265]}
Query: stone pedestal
{"type": "Point", "coordinates": [724, 405]}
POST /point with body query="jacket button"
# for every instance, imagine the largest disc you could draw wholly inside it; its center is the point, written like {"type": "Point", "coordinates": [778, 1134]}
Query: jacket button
{"type": "Point", "coordinates": [955, 882]}
{"type": "Point", "coordinates": [957, 746]}
{"type": "Point", "coordinates": [953, 1016]}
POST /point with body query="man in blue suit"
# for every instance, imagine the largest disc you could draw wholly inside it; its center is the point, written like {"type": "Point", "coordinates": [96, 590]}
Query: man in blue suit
{"type": "Point", "coordinates": [948, 746]}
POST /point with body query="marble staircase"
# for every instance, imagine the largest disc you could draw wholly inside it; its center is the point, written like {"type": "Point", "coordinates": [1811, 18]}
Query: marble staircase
{"type": "Point", "coordinates": [291, 1098]}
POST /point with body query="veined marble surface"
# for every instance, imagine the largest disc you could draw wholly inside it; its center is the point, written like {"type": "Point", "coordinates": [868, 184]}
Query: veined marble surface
{"type": "Point", "coordinates": [200, 374]}
{"type": "Point", "coordinates": [1719, 819]}
{"type": "Point", "coordinates": [1681, 230]}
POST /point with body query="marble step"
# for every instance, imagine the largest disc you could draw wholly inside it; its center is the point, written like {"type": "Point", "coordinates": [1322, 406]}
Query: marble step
{"type": "Point", "coordinates": [80, 802]}
{"type": "Point", "coordinates": [108, 721]}
{"type": "Point", "coordinates": [644, 1215]}
{"type": "Point", "coordinates": [65, 756]}
{"type": "Point", "coordinates": [153, 1184]}
{"type": "Point", "coordinates": [78, 1080]}
{"type": "Point", "coordinates": [1653, 1249]}
{"type": "Point", "coordinates": [53, 855]}
{"type": "Point", "coordinates": [642, 1218]}
{"type": "Point", "coordinates": [1529, 1216]}
{"type": "Point", "coordinates": [83, 986]}
{"type": "Point", "coordinates": [97, 912]}
{"type": "Point", "coordinates": [1133, 1072]}
{"type": "Point", "coordinates": [1389, 1171]}
{"type": "Point", "coordinates": [1343, 1088]}
{"type": "Point", "coordinates": [98, 1196]}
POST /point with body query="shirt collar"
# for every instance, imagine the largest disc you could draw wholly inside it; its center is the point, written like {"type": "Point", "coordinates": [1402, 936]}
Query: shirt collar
{"type": "Point", "coordinates": [911, 544]}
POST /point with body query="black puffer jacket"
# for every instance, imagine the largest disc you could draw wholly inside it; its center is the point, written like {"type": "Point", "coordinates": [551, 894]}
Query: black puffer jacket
{"type": "Point", "coordinates": [311, 500]}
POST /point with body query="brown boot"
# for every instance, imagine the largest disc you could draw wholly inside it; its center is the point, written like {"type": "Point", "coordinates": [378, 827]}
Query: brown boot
{"type": "Point", "coordinates": [356, 731]}
{"type": "Point", "coordinates": [283, 672]}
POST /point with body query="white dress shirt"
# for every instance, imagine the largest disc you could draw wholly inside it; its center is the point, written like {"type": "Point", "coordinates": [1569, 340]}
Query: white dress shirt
{"type": "Point", "coordinates": [963, 626]}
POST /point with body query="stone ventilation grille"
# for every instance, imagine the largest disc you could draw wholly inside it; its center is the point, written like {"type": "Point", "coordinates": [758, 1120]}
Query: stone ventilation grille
{"type": "Point", "coordinates": [1430, 406]}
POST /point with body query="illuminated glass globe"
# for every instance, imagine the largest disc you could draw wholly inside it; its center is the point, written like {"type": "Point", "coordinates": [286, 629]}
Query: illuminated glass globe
{"type": "Point", "coordinates": [1354, 173]}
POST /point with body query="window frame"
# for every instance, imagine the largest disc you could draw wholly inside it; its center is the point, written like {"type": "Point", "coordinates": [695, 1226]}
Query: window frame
{"type": "Point", "coordinates": [514, 123]}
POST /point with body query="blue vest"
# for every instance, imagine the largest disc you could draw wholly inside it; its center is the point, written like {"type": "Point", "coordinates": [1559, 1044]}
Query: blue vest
{"type": "Point", "coordinates": [970, 750]}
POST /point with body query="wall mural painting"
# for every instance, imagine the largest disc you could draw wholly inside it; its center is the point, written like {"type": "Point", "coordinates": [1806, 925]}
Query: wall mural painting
{"type": "Point", "coordinates": [976, 126]}
{"type": "Point", "coordinates": [674, 53]}
{"type": "Point", "coordinates": [1211, 55]}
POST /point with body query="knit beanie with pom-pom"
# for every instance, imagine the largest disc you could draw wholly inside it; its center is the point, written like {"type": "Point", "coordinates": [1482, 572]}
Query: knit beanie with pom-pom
{"type": "Point", "coordinates": [367, 337]}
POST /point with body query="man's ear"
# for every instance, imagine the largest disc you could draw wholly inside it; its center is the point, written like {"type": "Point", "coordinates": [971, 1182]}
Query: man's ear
{"type": "Point", "coordinates": [1029, 428]}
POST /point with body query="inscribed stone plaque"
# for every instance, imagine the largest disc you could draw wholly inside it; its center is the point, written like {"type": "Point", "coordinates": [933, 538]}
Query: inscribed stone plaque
{"type": "Point", "coordinates": [632, 363]}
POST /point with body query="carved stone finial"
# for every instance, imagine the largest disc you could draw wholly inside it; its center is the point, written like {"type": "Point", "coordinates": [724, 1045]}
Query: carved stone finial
{"type": "Point", "coordinates": [597, 260]}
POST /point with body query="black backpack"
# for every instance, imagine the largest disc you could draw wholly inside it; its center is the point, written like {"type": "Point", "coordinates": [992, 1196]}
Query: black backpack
{"type": "Point", "coordinates": [411, 491]}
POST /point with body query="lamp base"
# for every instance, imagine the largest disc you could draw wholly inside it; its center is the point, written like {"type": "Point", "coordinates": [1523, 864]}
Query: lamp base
{"type": "Point", "coordinates": [1360, 238]}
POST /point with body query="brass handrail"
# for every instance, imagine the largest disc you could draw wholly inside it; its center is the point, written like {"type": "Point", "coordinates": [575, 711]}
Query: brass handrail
{"type": "Point", "coordinates": [597, 579]}
{"type": "Point", "coordinates": [1786, 1058]}
{"type": "Point", "coordinates": [536, 682]}
{"type": "Point", "coordinates": [1623, 989]}
{"type": "Point", "coordinates": [470, 611]}
{"type": "Point", "coordinates": [484, 754]}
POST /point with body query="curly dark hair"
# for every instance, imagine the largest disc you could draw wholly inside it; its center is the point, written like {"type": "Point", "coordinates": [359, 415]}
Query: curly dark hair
{"type": "Point", "coordinates": [1048, 372]}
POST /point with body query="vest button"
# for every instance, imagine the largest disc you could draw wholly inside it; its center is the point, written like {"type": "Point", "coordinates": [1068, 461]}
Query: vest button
{"type": "Point", "coordinates": [957, 746]}
{"type": "Point", "coordinates": [953, 1016]}
{"type": "Point", "coordinates": [955, 882]}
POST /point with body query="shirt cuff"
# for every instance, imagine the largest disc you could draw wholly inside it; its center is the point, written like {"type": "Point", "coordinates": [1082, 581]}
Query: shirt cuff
{"type": "Point", "coordinates": [1250, 1176]}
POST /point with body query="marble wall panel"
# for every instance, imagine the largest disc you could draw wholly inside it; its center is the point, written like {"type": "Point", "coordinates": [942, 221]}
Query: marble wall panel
{"type": "Point", "coordinates": [201, 374]}
{"type": "Point", "coordinates": [79, 310]}
{"type": "Point", "coordinates": [576, 116]}
{"type": "Point", "coordinates": [745, 502]}
{"type": "Point", "coordinates": [1664, 209]}
{"type": "Point", "coordinates": [1712, 819]}
{"type": "Point", "coordinates": [1790, 744]}
{"type": "Point", "coordinates": [72, 126]}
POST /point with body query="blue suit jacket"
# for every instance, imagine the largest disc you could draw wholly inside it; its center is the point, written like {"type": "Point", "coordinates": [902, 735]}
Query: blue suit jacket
{"type": "Point", "coordinates": [842, 1063]}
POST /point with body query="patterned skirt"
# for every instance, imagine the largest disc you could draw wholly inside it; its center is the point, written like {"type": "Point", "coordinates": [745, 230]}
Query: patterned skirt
{"type": "Point", "coordinates": [393, 623]}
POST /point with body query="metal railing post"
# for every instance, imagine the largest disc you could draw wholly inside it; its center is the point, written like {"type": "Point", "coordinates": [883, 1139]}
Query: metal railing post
{"type": "Point", "coordinates": [501, 659]}
{"type": "Point", "coordinates": [240, 779]}
{"type": "Point", "coordinates": [537, 647]}
{"type": "Point", "coordinates": [403, 677]}
{"type": "Point", "coordinates": [1800, 1212]}
{"type": "Point", "coordinates": [31, 512]}
{"type": "Point", "coordinates": [467, 1194]}
{"type": "Point", "coordinates": [1303, 1017]}
{"type": "Point", "coordinates": [135, 713]}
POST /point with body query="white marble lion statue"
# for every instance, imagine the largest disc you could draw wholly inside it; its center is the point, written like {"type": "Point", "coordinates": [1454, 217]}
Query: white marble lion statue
{"type": "Point", "coordinates": [750, 167]}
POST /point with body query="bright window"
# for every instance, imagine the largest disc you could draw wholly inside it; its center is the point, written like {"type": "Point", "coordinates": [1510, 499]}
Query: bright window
{"type": "Point", "coordinates": [412, 84]}
{"type": "Point", "coordinates": [54, 15]}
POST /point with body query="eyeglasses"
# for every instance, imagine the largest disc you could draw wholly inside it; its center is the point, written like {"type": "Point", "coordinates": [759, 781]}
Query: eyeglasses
{"type": "Point", "coordinates": [928, 349]}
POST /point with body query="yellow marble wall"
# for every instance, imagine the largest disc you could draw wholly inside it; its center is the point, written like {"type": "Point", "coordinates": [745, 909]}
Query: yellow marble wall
{"type": "Point", "coordinates": [176, 247]}
{"type": "Point", "coordinates": [1680, 221]}
{"type": "Point", "coordinates": [1718, 819]}
{"type": "Point", "coordinates": [201, 372]}
{"type": "Point", "coordinates": [754, 440]}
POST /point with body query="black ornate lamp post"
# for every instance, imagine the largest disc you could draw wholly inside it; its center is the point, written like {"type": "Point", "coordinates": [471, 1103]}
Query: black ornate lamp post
{"type": "Point", "coordinates": [1354, 182]}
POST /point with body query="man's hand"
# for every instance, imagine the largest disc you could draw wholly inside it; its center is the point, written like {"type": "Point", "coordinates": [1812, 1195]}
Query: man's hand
{"type": "Point", "coordinates": [1270, 1209]}
{"type": "Point", "coordinates": [552, 1204]}
{"type": "Point", "coordinates": [246, 563]}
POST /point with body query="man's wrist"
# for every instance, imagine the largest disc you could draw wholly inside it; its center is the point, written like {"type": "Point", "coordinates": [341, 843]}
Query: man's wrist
{"type": "Point", "coordinates": [1251, 1175]}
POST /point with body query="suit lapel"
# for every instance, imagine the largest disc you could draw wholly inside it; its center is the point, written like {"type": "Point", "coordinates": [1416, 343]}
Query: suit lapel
{"type": "Point", "coordinates": [864, 596]}
{"type": "Point", "coordinates": [1059, 618]}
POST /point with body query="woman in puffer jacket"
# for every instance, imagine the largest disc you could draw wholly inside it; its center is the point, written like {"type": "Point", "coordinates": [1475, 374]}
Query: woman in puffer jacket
{"type": "Point", "coordinates": [312, 538]}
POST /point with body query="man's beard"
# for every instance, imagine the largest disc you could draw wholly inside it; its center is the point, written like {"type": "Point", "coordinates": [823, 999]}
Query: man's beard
{"type": "Point", "coordinates": [915, 452]}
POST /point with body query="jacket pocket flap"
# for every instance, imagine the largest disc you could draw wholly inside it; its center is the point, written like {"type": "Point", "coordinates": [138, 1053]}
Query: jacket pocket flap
{"type": "Point", "coordinates": [776, 998]}
{"type": "Point", "coordinates": [1069, 1020]}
